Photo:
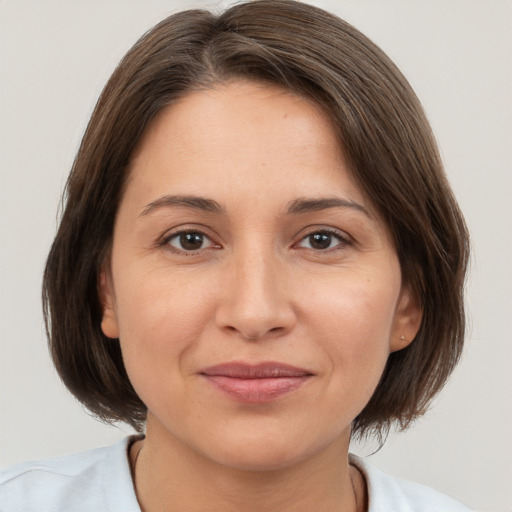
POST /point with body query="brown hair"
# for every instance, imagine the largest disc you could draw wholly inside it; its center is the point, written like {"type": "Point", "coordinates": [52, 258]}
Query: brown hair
{"type": "Point", "coordinates": [386, 138]}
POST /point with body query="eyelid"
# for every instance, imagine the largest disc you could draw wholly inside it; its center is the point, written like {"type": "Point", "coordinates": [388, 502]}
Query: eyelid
{"type": "Point", "coordinates": [164, 240]}
{"type": "Point", "coordinates": [342, 236]}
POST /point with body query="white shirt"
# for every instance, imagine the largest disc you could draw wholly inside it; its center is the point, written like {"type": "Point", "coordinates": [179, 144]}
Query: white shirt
{"type": "Point", "coordinates": [100, 481]}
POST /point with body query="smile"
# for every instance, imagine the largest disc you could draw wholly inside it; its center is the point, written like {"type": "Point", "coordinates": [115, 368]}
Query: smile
{"type": "Point", "coordinates": [259, 383]}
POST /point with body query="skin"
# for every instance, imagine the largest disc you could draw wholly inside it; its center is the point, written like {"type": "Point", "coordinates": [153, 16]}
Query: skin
{"type": "Point", "coordinates": [255, 289]}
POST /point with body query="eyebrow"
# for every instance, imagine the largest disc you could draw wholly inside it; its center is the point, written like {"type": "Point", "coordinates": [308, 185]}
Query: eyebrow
{"type": "Point", "coordinates": [297, 206]}
{"type": "Point", "coordinates": [305, 205]}
{"type": "Point", "coordinates": [192, 202]}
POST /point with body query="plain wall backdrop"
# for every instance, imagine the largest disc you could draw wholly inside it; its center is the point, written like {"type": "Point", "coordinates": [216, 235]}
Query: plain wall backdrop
{"type": "Point", "coordinates": [55, 56]}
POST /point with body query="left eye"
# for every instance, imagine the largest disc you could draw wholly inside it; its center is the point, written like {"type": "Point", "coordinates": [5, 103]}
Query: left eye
{"type": "Point", "coordinates": [321, 241]}
{"type": "Point", "coordinates": [189, 241]}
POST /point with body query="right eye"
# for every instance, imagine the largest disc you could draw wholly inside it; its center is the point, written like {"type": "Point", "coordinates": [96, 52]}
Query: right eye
{"type": "Point", "coordinates": [189, 241]}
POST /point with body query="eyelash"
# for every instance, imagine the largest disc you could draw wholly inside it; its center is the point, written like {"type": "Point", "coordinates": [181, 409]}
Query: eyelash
{"type": "Point", "coordinates": [343, 241]}
{"type": "Point", "coordinates": [166, 242]}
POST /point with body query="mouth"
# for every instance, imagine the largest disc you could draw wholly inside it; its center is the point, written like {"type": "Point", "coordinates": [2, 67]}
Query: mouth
{"type": "Point", "coordinates": [260, 383]}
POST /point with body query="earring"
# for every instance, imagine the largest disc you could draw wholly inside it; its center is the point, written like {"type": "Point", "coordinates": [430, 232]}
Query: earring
{"type": "Point", "coordinates": [402, 337]}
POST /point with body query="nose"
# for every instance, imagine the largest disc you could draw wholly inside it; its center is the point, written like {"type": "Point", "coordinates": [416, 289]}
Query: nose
{"type": "Point", "coordinates": [257, 302]}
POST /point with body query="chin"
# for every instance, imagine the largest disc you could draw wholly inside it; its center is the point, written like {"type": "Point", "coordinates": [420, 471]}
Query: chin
{"type": "Point", "coordinates": [259, 458]}
{"type": "Point", "coordinates": [265, 451]}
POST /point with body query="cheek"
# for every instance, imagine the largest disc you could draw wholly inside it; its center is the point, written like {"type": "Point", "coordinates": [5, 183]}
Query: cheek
{"type": "Point", "coordinates": [358, 308]}
{"type": "Point", "coordinates": [160, 322]}
{"type": "Point", "coordinates": [353, 323]}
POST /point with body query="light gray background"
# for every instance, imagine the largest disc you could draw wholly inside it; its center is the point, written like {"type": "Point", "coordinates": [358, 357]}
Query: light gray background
{"type": "Point", "coordinates": [55, 56]}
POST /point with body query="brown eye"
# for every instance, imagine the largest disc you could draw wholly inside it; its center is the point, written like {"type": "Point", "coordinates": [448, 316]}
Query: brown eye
{"type": "Point", "coordinates": [322, 240]}
{"type": "Point", "coordinates": [189, 241]}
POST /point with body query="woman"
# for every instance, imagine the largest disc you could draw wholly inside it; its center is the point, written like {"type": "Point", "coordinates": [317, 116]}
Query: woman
{"type": "Point", "coordinates": [259, 258]}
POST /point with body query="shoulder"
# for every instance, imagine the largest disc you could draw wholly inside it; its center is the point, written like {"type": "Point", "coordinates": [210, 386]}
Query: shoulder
{"type": "Point", "coordinates": [389, 494]}
{"type": "Point", "coordinates": [73, 483]}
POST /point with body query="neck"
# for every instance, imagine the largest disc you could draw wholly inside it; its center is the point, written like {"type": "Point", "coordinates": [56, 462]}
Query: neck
{"type": "Point", "coordinates": [170, 476]}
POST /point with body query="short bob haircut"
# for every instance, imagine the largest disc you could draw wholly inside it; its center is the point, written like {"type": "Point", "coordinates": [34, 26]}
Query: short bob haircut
{"type": "Point", "coordinates": [386, 138]}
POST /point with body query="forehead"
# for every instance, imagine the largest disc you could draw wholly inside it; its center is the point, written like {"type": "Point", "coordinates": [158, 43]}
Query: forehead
{"type": "Point", "coordinates": [241, 137]}
{"type": "Point", "coordinates": [227, 106]}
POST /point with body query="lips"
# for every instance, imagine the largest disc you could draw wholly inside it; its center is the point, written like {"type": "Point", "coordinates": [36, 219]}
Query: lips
{"type": "Point", "coordinates": [258, 383]}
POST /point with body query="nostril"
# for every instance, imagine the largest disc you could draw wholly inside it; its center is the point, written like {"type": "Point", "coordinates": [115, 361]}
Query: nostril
{"type": "Point", "coordinates": [253, 336]}
{"type": "Point", "coordinates": [255, 319]}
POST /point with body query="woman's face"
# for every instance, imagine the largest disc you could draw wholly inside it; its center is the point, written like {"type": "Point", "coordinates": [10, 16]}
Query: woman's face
{"type": "Point", "coordinates": [254, 290]}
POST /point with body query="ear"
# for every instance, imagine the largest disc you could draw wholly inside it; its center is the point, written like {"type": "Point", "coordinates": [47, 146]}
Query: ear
{"type": "Point", "coordinates": [407, 321]}
{"type": "Point", "coordinates": [109, 324]}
